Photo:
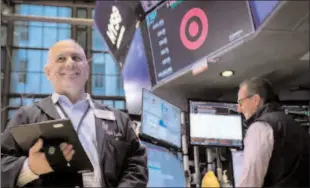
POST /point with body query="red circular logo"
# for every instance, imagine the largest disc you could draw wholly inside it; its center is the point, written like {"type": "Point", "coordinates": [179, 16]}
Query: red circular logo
{"type": "Point", "coordinates": [194, 28]}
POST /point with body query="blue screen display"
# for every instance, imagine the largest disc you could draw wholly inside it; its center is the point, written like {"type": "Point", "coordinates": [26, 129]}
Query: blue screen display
{"type": "Point", "coordinates": [165, 169]}
{"type": "Point", "coordinates": [135, 74]}
{"type": "Point", "coordinates": [160, 119]}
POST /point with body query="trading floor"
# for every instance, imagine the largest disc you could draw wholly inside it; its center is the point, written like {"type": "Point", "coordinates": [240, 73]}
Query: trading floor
{"type": "Point", "coordinates": [155, 93]}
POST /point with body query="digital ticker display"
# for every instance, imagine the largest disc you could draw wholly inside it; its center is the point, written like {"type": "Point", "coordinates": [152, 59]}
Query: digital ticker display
{"type": "Point", "coordinates": [183, 32]}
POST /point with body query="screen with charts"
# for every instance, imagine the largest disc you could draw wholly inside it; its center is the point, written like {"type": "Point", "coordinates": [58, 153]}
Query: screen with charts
{"type": "Point", "coordinates": [196, 29]}
{"type": "Point", "coordinates": [165, 168]}
{"type": "Point", "coordinates": [215, 124]}
{"type": "Point", "coordinates": [160, 119]}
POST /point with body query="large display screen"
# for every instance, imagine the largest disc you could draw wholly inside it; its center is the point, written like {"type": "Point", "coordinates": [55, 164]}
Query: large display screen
{"type": "Point", "coordinates": [135, 74]}
{"type": "Point", "coordinates": [183, 32]}
{"type": "Point", "coordinates": [215, 124]}
{"type": "Point", "coordinates": [160, 119]}
{"type": "Point", "coordinates": [165, 168]}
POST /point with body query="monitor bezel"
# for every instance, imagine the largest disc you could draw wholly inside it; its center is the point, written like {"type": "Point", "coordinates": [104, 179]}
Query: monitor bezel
{"type": "Point", "coordinates": [188, 127]}
{"type": "Point", "coordinates": [156, 141]}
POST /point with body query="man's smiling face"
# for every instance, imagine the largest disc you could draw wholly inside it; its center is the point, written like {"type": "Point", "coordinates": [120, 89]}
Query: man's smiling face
{"type": "Point", "coordinates": [67, 67]}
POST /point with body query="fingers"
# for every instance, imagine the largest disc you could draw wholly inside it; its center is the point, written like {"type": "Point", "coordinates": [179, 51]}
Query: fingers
{"type": "Point", "coordinates": [37, 146]}
{"type": "Point", "coordinates": [67, 151]}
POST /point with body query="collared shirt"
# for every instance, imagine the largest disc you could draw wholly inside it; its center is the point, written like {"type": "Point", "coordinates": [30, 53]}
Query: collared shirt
{"type": "Point", "coordinates": [86, 134]}
{"type": "Point", "coordinates": [258, 147]}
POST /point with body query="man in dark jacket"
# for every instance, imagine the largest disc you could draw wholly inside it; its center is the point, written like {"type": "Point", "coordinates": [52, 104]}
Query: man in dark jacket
{"type": "Point", "coordinates": [276, 148]}
{"type": "Point", "coordinates": [119, 160]}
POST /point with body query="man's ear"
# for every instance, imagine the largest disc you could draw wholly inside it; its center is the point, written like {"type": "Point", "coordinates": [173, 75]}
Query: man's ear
{"type": "Point", "coordinates": [258, 100]}
{"type": "Point", "coordinates": [88, 68]}
{"type": "Point", "coordinates": [47, 72]}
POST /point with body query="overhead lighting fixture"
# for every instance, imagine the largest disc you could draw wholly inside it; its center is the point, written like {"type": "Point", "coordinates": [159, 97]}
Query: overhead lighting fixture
{"type": "Point", "coordinates": [227, 73]}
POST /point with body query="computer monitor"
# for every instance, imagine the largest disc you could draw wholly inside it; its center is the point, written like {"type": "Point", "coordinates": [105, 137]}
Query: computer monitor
{"type": "Point", "coordinates": [215, 124]}
{"type": "Point", "coordinates": [165, 168]}
{"type": "Point", "coordinates": [160, 120]}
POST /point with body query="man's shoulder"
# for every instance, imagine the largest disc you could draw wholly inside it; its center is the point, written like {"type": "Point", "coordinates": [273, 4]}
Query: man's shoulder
{"type": "Point", "coordinates": [28, 110]}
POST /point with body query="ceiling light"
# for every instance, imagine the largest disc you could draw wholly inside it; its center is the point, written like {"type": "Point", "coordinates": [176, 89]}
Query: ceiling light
{"type": "Point", "coordinates": [227, 73]}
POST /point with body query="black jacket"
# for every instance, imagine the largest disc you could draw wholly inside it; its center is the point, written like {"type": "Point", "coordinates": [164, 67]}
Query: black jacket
{"type": "Point", "coordinates": [123, 161]}
{"type": "Point", "coordinates": [289, 164]}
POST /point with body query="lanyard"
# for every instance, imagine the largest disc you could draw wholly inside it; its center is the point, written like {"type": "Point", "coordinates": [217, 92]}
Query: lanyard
{"type": "Point", "coordinates": [82, 118]}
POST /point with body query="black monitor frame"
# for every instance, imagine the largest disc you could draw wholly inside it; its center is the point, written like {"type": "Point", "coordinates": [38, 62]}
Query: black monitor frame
{"type": "Point", "coordinates": [153, 140]}
{"type": "Point", "coordinates": [211, 145]}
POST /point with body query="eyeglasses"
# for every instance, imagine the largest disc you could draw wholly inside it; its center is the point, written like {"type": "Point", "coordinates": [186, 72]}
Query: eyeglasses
{"type": "Point", "coordinates": [240, 101]}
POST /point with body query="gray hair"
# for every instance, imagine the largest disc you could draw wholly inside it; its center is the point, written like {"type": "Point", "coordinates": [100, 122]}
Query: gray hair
{"type": "Point", "coordinates": [261, 87]}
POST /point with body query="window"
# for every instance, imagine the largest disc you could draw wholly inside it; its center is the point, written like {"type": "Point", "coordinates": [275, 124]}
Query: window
{"type": "Point", "coordinates": [27, 65]}
{"type": "Point", "coordinates": [28, 60]}
{"type": "Point", "coordinates": [21, 33]}
{"type": "Point", "coordinates": [120, 104]}
{"type": "Point", "coordinates": [109, 103]}
{"type": "Point", "coordinates": [28, 72]}
{"type": "Point", "coordinates": [98, 71]}
{"type": "Point", "coordinates": [22, 77]}
{"type": "Point", "coordinates": [21, 101]}
{"type": "Point", "coordinates": [93, 13]}
{"type": "Point", "coordinates": [81, 13]}
{"type": "Point", "coordinates": [11, 114]}
{"type": "Point", "coordinates": [40, 34]}
{"type": "Point", "coordinates": [110, 72]}
{"type": "Point", "coordinates": [99, 81]}
{"type": "Point", "coordinates": [81, 34]}
{"type": "Point", "coordinates": [15, 102]}
{"type": "Point", "coordinates": [43, 10]}
{"type": "Point", "coordinates": [98, 43]}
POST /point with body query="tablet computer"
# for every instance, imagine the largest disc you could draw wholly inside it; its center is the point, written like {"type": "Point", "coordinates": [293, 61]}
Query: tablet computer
{"type": "Point", "coordinates": [62, 130]}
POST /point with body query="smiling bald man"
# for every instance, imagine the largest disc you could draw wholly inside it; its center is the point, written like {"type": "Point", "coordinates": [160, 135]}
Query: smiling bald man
{"type": "Point", "coordinates": [118, 158]}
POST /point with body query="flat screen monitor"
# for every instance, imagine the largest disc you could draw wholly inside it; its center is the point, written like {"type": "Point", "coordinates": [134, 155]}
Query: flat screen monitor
{"type": "Point", "coordinates": [160, 119]}
{"type": "Point", "coordinates": [165, 168]}
{"type": "Point", "coordinates": [135, 74]}
{"type": "Point", "coordinates": [215, 124]}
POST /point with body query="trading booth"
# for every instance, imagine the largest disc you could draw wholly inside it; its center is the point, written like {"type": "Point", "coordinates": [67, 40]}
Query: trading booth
{"type": "Point", "coordinates": [171, 53]}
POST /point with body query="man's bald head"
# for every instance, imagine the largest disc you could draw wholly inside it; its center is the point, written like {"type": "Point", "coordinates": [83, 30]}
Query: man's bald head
{"type": "Point", "coordinates": [68, 43]}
